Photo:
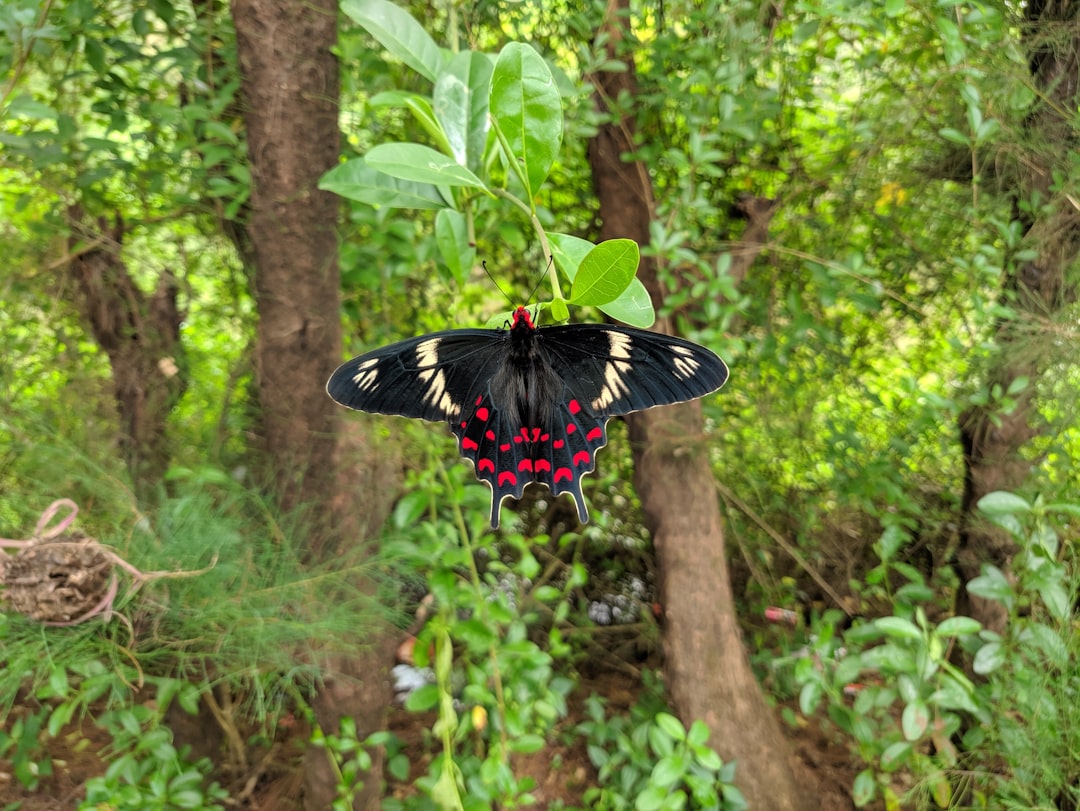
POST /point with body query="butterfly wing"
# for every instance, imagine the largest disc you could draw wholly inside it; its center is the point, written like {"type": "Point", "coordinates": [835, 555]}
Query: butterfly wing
{"type": "Point", "coordinates": [608, 371]}
{"type": "Point", "coordinates": [432, 377]}
{"type": "Point", "coordinates": [591, 372]}
{"type": "Point", "coordinates": [507, 456]}
{"type": "Point", "coordinates": [617, 370]}
{"type": "Point", "coordinates": [445, 376]}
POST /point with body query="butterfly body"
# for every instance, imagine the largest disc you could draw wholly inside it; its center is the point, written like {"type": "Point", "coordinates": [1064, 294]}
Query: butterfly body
{"type": "Point", "coordinates": [526, 403]}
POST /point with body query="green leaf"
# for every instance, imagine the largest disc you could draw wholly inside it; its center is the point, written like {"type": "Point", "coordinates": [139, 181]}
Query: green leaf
{"type": "Point", "coordinates": [423, 698]}
{"type": "Point", "coordinates": [526, 110]}
{"type": "Point", "coordinates": [452, 237]}
{"type": "Point", "coordinates": [896, 755]}
{"type": "Point", "coordinates": [633, 307]}
{"type": "Point", "coordinates": [864, 789]}
{"type": "Point", "coordinates": [890, 542]}
{"type": "Point", "coordinates": [1056, 599]}
{"type": "Point", "coordinates": [568, 251]}
{"type": "Point", "coordinates": [959, 626]}
{"type": "Point", "coordinates": [988, 658]}
{"type": "Point", "coordinates": [809, 697]}
{"type": "Point", "coordinates": [422, 110]}
{"type": "Point", "coordinates": [954, 135]}
{"type": "Point", "coordinates": [992, 585]}
{"type": "Point", "coordinates": [914, 720]}
{"type": "Point", "coordinates": [1001, 501]}
{"type": "Point", "coordinates": [951, 40]}
{"type": "Point", "coordinates": [527, 743]}
{"type": "Point", "coordinates": [651, 798]}
{"type": "Point", "coordinates": [420, 164]}
{"type": "Point", "coordinates": [559, 311]}
{"type": "Point", "coordinates": [898, 628]}
{"type": "Point", "coordinates": [355, 180]}
{"type": "Point", "coordinates": [605, 272]}
{"type": "Point", "coordinates": [60, 717]}
{"type": "Point", "coordinates": [698, 735]}
{"type": "Point", "coordinates": [461, 99]}
{"type": "Point", "coordinates": [671, 725]}
{"type": "Point", "coordinates": [399, 33]}
{"type": "Point", "coordinates": [668, 771]}
{"type": "Point", "coordinates": [952, 694]}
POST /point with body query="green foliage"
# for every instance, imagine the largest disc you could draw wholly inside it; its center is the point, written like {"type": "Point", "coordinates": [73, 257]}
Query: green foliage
{"type": "Point", "coordinates": [496, 639]}
{"type": "Point", "coordinates": [1003, 739]}
{"type": "Point", "coordinates": [351, 758]}
{"type": "Point", "coordinates": [146, 771]}
{"type": "Point", "coordinates": [648, 761]}
{"type": "Point", "coordinates": [467, 171]}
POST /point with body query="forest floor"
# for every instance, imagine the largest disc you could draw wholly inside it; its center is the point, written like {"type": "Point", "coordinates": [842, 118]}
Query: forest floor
{"type": "Point", "coordinates": [562, 771]}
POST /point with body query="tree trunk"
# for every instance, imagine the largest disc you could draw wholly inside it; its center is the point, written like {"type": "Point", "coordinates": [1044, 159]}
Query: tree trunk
{"type": "Point", "coordinates": [141, 336]}
{"type": "Point", "coordinates": [706, 668]}
{"type": "Point", "coordinates": [1037, 290]}
{"type": "Point", "coordinates": [289, 81]}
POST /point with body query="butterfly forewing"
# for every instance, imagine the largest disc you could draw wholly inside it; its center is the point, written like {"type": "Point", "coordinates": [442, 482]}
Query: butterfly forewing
{"type": "Point", "coordinates": [528, 404]}
{"type": "Point", "coordinates": [428, 378]}
{"type": "Point", "coordinates": [619, 370]}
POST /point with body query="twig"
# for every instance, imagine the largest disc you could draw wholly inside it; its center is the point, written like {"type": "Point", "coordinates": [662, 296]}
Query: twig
{"type": "Point", "coordinates": [743, 507]}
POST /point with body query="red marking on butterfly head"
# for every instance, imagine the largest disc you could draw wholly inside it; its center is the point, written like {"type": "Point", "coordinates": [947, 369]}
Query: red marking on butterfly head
{"type": "Point", "coordinates": [522, 317]}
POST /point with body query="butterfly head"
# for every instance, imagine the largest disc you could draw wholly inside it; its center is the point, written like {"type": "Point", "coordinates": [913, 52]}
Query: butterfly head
{"type": "Point", "coordinates": [522, 320]}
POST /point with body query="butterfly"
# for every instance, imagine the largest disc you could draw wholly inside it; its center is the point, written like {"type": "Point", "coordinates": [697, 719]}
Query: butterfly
{"type": "Point", "coordinates": [527, 403]}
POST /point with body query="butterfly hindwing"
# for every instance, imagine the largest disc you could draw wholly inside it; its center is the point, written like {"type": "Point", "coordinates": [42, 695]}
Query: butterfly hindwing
{"type": "Point", "coordinates": [484, 438]}
{"type": "Point", "coordinates": [508, 456]}
{"type": "Point", "coordinates": [618, 370]}
{"type": "Point", "coordinates": [576, 436]}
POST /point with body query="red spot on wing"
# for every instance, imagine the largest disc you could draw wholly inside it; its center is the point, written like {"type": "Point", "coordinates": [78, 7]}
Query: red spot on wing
{"type": "Point", "coordinates": [482, 414]}
{"type": "Point", "coordinates": [574, 406]}
{"type": "Point", "coordinates": [468, 444]}
{"type": "Point", "coordinates": [518, 438]}
{"type": "Point", "coordinates": [595, 433]}
{"type": "Point", "coordinates": [571, 428]}
{"type": "Point", "coordinates": [479, 400]}
{"type": "Point", "coordinates": [485, 464]}
{"type": "Point", "coordinates": [563, 473]}
{"type": "Point", "coordinates": [504, 447]}
{"type": "Point", "coordinates": [541, 465]}
{"type": "Point", "coordinates": [581, 457]}
{"type": "Point", "coordinates": [507, 476]}
{"type": "Point", "coordinates": [558, 443]}
{"type": "Point", "coordinates": [525, 464]}
{"type": "Point", "coordinates": [490, 435]}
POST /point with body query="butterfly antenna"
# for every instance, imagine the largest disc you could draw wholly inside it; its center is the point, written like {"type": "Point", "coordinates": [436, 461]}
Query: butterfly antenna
{"type": "Point", "coordinates": [547, 269]}
{"type": "Point", "coordinates": [495, 282]}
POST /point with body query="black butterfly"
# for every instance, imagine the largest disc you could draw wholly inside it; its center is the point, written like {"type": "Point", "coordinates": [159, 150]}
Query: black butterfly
{"type": "Point", "coordinates": [528, 404]}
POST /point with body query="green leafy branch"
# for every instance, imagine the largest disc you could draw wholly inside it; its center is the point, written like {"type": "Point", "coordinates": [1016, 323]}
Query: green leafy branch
{"type": "Point", "coordinates": [495, 125]}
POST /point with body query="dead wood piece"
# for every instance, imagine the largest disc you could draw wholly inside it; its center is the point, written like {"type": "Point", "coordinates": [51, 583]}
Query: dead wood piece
{"type": "Point", "coordinates": [56, 579]}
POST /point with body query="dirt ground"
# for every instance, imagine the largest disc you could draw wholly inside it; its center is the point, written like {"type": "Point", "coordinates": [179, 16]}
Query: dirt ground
{"type": "Point", "coordinates": [562, 771]}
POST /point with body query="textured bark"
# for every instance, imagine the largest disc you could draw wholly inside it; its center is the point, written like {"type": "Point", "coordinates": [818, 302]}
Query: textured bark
{"type": "Point", "coordinates": [994, 442]}
{"type": "Point", "coordinates": [140, 333]}
{"type": "Point", "coordinates": [289, 81]}
{"type": "Point", "coordinates": [705, 665]}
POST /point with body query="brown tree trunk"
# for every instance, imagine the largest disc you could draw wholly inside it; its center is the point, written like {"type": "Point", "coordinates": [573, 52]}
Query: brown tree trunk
{"type": "Point", "coordinates": [993, 441]}
{"type": "Point", "coordinates": [140, 333]}
{"type": "Point", "coordinates": [705, 665]}
{"type": "Point", "coordinates": [289, 81]}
